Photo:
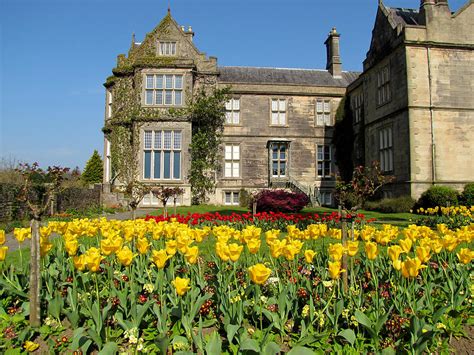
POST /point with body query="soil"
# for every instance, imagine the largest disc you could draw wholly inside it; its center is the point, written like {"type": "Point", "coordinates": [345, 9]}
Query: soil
{"type": "Point", "coordinates": [464, 345]}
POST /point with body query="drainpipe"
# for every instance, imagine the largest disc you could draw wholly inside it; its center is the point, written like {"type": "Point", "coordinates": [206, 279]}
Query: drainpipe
{"type": "Point", "coordinates": [433, 146]}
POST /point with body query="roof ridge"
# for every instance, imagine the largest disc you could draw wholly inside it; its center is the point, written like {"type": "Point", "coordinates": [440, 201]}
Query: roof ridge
{"type": "Point", "coordinates": [277, 68]}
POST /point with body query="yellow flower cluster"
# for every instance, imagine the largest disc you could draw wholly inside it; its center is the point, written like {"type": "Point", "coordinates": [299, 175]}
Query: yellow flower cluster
{"type": "Point", "coordinates": [465, 211]}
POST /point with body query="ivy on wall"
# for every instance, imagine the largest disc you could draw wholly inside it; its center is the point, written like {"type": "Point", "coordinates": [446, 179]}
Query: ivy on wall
{"type": "Point", "coordinates": [343, 139]}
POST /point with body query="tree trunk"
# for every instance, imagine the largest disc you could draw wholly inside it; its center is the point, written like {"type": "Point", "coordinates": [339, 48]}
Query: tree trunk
{"type": "Point", "coordinates": [35, 275]}
{"type": "Point", "coordinates": [134, 213]}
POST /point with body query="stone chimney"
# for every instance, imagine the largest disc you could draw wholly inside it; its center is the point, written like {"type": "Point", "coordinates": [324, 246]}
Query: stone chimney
{"type": "Point", "coordinates": [189, 33]}
{"type": "Point", "coordinates": [334, 65]}
{"type": "Point", "coordinates": [433, 10]}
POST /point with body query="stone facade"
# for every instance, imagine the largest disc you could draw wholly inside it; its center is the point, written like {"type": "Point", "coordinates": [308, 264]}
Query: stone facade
{"type": "Point", "coordinates": [277, 118]}
{"type": "Point", "coordinates": [429, 58]}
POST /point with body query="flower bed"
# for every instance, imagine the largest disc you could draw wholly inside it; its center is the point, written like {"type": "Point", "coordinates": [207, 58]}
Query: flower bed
{"type": "Point", "coordinates": [146, 286]}
{"type": "Point", "coordinates": [453, 217]}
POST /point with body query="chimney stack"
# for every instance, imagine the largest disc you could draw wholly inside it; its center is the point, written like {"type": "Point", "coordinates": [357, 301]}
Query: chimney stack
{"type": "Point", "coordinates": [334, 65]}
{"type": "Point", "coordinates": [433, 11]}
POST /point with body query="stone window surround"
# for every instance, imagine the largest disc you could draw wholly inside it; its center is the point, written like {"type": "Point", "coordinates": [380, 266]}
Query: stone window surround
{"type": "Point", "coordinates": [232, 110]}
{"type": "Point", "coordinates": [271, 111]}
{"type": "Point", "coordinates": [233, 161]}
{"type": "Point", "coordinates": [385, 148]}
{"type": "Point", "coordinates": [323, 111]}
{"type": "Point", "coordinates": [233, 195]}
{"type": "Point", "coordinates": [172, 47]}
{"type": "Point", "coordinates": [383, 80]}
{"type": "Point", "coordinates": [324, 161]}
{"type": "Point", "coordinates": [145, 72]}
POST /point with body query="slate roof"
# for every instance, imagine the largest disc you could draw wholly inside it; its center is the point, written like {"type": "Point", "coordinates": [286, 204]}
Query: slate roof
{"type": "Point", "coordinates": [405, 16]}
{"type": "Point", "coordinates": [255, 75]}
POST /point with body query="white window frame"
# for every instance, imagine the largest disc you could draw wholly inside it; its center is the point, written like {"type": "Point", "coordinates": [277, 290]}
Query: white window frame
{"type": "Point", "coordinates": [321, 158]}
{"type": "Point", "coordinates": [383, 85]}
{"type": "Point", "coordinates": [325, 198]}
{"type": "Point", "coordinates": [109, 104]}
{"type": "Point", "coordinates": [234, 198]}
{"type": "Point", "coordinates": [108, 161]}
{"type": "Point", "coordinates": [167, 48]}
{"type": "Point", "coordinates": [279, 159]}
{"type": "Point", "coordinates": [323, 112]}
{"type": "Point", "coordinates": [278, 112]}
{"type": "Point", "coordinates": [156, 86]}
{"type": "Point", "coordinates": [232, 111]}
{"type": "Point", "coordinates": [156, 145]}
{"type": "Point", "coordinates": [231, 161]}
{"type": "Point", "coordinates": [386, 149]}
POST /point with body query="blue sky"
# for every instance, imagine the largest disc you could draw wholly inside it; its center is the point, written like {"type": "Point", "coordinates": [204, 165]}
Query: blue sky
{"type": "Point", "coordinates": [55, 55]}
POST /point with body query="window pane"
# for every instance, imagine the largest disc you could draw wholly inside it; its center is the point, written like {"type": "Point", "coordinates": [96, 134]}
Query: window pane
{"type": "Point", "coordinates": [178, 82]}
{"type": "Point", "coordinates": [159, 82]}
{"type": "Point", "coordinates": [177, 97]}
{"type": "Point", "coordinates": [275, 152]}
{"type": "Point", "coordinates": [149, 97]}
{"type": "Point", "coordinates": [168, 97]}
{"type": "Point", "coordinates": [236, 117]}
{"type": "Point", "coordinates": [228, 169]}
{"type": "Point", "coordinates": [282, 168]}
{"type": "Point", "coordinates": [157, 166]}
{"type": "Point", "coordinates": [282, 118]}
{"type": "Point", "coordinates": [327, 120]}
{"type": "Point", "coordinates": [228, 152]}
{"type": "Point", "coordinates": [177, 140]}
{"type": "Point", "coordinates": [327, 155]}
{"type": "Point", "coordinates": [319, 120]}
{"type": "Point", "coordinates": [168, 81]}
{"type": "Point", "coordinates": [282, 105]}
{"type": "Point", "coordinates": [167, 139]}
{"type": "Point", "coordinates": [320, 169]}
{"type": "Point", "coordinates": [327, 107]}
{"type": "Point", "coordinates": [274, 117]}
{"type": "Point", "coordinates": [236, 198]}
{"type": "Point", "coordinates": [236, 104]}
{"type": "Point", "coordinates": [177, 165]}
{"type": "Point", "coordinates": [275, 168]}
{"type": "Point", "coordinates": [173, 48]}
{"type": "Point", "coordinates": [228, 105]}
{"type": "Point", "coordinates": [147, 140]}
{"type": "Point", "coordinates": [149, 81]}
{"type": "Point", "coordinates": [167, 165]}
{"type": "Point", "coordinates": [319, 106]}
{"type": "Point", "coordinates": [157, 140]}
{"type": "Point", "coordinates": [236, 151]}
{"type": "Point", "coordinates": [227, 198]}
{"type": "Point", "coordinates": [228, 117]}
{"type": "Point", "coordinates": [235, 169]}
{"type": "Point", "coordinates": [159, 97]}
{"type": "Point", "coordinates": [274, 105]}
{"type": "Point", "coordinates": [327, 169]}
{"type": "Point", "coordinates": [147, 165]}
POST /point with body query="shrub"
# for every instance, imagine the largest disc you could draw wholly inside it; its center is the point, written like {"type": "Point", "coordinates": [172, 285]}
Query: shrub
{"type": "Point", "coordinates": [245, 198]}
{"type": "Point", "coordinates": [391, 205]}
{"type": "Point", "coordinates": [437, 196]}
{"type": "Point", "coordinates": [468, 194]}
{"type": "Point", "coordinates": [280, 201]}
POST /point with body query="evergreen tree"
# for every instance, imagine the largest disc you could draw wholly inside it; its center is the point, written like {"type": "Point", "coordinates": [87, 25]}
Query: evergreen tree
{"type": "Point", "coordinates": [94, 169]}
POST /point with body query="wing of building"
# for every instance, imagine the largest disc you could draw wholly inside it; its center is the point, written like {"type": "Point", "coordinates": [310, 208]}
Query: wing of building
{"type": "Point", "coordinates": [413, 105]}
{"type": "Point", "coordinates": [412, 110]}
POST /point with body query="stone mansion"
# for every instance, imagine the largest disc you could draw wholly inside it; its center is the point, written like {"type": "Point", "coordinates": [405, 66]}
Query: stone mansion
{"type": "Point", "coordinates": [412, 109]}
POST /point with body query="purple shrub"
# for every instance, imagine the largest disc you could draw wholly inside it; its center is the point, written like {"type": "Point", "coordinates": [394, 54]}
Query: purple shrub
{"type": "Point", "coordinates": [280, 201]}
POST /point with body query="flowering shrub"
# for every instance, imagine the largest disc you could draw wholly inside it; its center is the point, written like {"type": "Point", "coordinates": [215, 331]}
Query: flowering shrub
{"type": "Point", "coordinates": [280, 201]}
{"type": "Point", "coordinates": [159, 287]}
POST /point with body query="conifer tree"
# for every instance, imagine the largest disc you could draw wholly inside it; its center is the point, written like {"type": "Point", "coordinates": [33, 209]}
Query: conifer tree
{"type": "Point", "coordinates": [94, 169]}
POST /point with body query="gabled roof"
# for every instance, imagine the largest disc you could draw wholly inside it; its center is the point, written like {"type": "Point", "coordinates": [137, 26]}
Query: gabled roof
{"type": "Point", "coordinates": [310, 77]}
{"type": "Point", "coordinates": [404, 16]}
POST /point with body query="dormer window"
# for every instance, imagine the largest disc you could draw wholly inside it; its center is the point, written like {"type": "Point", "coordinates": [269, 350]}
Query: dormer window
{"type": "Point", "coordinates": [168, 48]}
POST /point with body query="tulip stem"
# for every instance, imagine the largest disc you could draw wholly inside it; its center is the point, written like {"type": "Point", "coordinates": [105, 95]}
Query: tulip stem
{"type": "Point", "coordinates": [21, 256]}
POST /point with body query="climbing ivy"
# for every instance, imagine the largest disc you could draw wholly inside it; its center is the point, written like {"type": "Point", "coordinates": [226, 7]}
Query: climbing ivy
{"type": "Point", "coordinates": [343, 140]}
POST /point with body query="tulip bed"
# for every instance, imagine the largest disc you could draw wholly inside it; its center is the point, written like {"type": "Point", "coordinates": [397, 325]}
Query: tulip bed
{"type": "Point", "coordinates": [168, 287]}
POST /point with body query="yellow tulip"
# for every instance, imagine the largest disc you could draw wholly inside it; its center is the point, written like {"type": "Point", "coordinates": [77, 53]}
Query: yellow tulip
{"type": "Point", "coordinates": [397, 264]}
{"type": "Point", "coordinates": [336, 251]}
{"type": "Point", "coordinates": [79, 262]}
{"type": "Point", "coordinates": [192, 254]}
{"type": "Point", "coordinates": [465, 255]}
{"type": "Point", "coordinates": [254, 245]}
{"type": "Point", "coordinates": [45, 246]}
{"type": "Point", "coordinates": [93, 258]}
{"type": "Point", "coordinates": [234, 251]}
{"type": "Point", "coordinates": [309, 255]}
{"type": "Point", "coordinates": [21, 234]}
{"type": "Point", "coordinates": [276, 247]}
{"type": "Point", "coordinates": [30, 346]}
{"type": "Point", "coordinates": [125, 256]}
{"type": "Point", "coordinates": [110, 245]}
{"type": "Point", "coordinates": [394, 252]}
{"type": "Point", "coordinates": [170, 247]}
{"type": "Point", "coordinates": [411, 267]}
{"type": "Point", "coordinates": [259, 273]}
{"type": "Point", "coordinates": [2, 236]}
{"type": "Point", "coordinates": [290, 251]}
{"type": "Point", "coordinates": [3, 252]}
{"type": "Point", "coordinates": [335, 270]}
{"type": "Point", "coordinates": [423, 253]}
{"type": "Point", "coordinates": [71, 245]}
{"type": "Point", "coordinates": [160, 258]}
{"type": "Point", "coordinates": [181, 285]}
{"type": "Point", "coordinates": [352, 248]}
{"type": "Point", "coordinates": [142, 245]}
{"type": "Point", "coordinates": [405, 244]}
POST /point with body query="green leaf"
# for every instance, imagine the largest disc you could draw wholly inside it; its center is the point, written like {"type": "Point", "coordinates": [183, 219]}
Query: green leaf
{"type": "Point", "coordinates": [271, 349]}
{"type": "Point", "coordinates": [231, 330]}
{"type": "Point", "coordinates": [349, 335]}
{"type": "Point", "coordinates": [110, 348]}
{"type": "Point", "coordinates": [214, 345]}
{"type": "Point", "coordinates": [250, 344]}
{"type": "Point", "coordinates": [301, 350]}
{"type": "Point", "coordinates": [388, 351]}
